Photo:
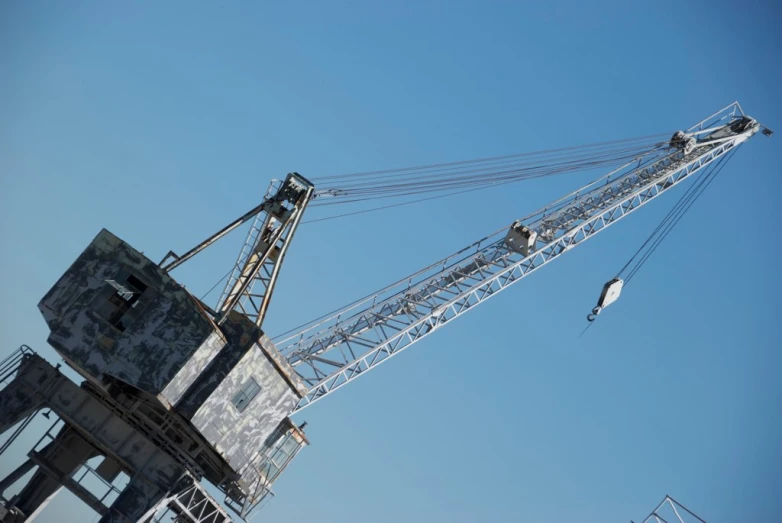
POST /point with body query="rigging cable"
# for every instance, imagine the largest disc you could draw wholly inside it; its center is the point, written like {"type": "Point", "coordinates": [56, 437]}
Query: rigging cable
{"type": "Point", "coordinates": [470, 177]}
{"type": "Point", "coordinates": [449, 260]}
{"type": "Point", "coordinates": [454, 178]}
{"type": "Point", "coordinates": [425, 168]}
{"type": "Point", "coordinates": [400, 204]}
{"type": "Point", "coordinates": [488, 169]}
{"type": "Point", "coordinates": [450, 179]}
{"type": "Point", "coordinates": [673, 217]}
{"type": "Point", "coordinates": [659, 234]}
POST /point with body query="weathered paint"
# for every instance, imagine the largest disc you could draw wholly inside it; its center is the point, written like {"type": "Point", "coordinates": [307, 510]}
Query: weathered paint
{"type": "Point", "coordinates": [153, 348]}
{"type": "Point", "coordinates": [169, 349]}
{"type": "Point", "coordinates": [238, 436]}
{"type": "Point", "coordinates": [193, 368]}
{"type": "Point", "coordinates": [240, 334]}
{"type": "Point", "coordinates": [285, 368]}
{"type": "Point", "coordinates": [153, 470]}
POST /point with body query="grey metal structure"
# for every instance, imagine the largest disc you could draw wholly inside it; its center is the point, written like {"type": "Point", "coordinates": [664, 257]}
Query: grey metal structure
{"type": "Point", "coordinates": [671, 511]}
{"type": "Point", "coordinates": [338, 349]}
{"type": "Point", "coordinates": [249, 288]}
{"type": "Point", "coordinates": [176, 393]}
{"type": "Point", "coordinates": [274, 222]}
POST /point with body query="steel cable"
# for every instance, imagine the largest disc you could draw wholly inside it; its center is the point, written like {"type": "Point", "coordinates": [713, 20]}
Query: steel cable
{"type": "Point", "coordinates": [672, 218]}
{"type": "Point", "coordinates": [425, 168]}
{"type": "Point", "coordinates": [466, 176]}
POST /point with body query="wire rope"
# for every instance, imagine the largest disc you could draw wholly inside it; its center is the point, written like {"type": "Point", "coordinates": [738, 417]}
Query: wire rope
{"type": "Point", "coordinates": [673, 217]}
{"type": "Point", "coordinates": [449, 179]}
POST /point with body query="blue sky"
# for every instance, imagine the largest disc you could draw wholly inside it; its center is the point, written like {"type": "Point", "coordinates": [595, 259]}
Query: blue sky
{"type": "Point", "coordinates": [164, 122]}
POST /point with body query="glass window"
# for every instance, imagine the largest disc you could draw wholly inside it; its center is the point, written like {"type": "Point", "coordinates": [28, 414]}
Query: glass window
{"type": "Point", "coordinates": [290, 446]}
{"type": "Point", "coordinates": [279, 458]}
{"type": "Point", "coordinates": [245, 395]}
{"type": "Point", "coordinates": [121, 302]}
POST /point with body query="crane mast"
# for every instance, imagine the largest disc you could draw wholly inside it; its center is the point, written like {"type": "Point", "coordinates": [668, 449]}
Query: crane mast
{"type": "Point", "coordinates": [274, 222]}
{"type": "Point", "coordinates": [335, 351]}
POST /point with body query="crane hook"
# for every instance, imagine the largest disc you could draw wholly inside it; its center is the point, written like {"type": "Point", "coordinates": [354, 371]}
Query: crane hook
{"type": "Point", "coordinates": [593, 315]}
{"type": "Point", "coordinates": [609, 295]}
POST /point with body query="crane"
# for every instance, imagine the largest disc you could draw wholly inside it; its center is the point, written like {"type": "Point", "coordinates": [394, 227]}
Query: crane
{"type": "Point", "coordinates": [348, 343]}
{"type": "Point", "coordinates": [180, 379]}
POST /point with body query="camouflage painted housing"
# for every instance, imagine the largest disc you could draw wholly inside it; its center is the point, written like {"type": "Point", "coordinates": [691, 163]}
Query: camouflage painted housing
{"type": "Point", "coordinates": [116, 317]}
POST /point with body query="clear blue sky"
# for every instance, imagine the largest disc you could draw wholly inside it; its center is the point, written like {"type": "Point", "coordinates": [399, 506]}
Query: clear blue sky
{"type": "Point", "coordinates": [163, 122]}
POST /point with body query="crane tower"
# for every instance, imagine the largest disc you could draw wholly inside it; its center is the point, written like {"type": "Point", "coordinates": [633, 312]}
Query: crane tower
{"type": "Point", "coordinates": [176, 393]}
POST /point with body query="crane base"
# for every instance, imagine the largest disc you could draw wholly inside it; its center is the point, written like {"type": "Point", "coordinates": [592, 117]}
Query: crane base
{"type": "Point", "coordinates": [91, 428]}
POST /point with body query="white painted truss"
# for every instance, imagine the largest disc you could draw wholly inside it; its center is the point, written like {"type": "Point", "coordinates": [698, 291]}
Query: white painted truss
{"type": "Point", "coordinates": [336, 350]}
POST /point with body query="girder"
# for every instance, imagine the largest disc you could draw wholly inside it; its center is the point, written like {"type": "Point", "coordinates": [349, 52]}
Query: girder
{"type": "Point", "coordinates": [334, 351]}
{"type": "Point", "coordinates": [251, 283]}
{"type": "Point", "coordinates": [254, 275]}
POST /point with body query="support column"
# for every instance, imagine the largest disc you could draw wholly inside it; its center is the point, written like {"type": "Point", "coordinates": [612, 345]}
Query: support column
{"type": "Point", "coordinates": [16, 404]}
{"type": "Point", "coordinates": [57, 461]}
{"type": "Point", "coordinates": [16, 475]}
{"type": "Point", "coordinates": [135, 504]}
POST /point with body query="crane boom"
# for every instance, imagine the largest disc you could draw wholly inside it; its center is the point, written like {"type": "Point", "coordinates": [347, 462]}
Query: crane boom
{"type": "Point", "coordinates": [332, 352]}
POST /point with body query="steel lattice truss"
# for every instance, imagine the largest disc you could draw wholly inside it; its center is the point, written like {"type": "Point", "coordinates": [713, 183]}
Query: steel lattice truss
{"type": "Point", "coordinates": [252, 280]}
{"type": "Point", "coordinates": [336, 350]}
{"type": "Point", "coordinates": [192, 504]}
{"type": "Point", "coordinates": [671, 511]}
